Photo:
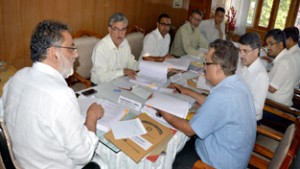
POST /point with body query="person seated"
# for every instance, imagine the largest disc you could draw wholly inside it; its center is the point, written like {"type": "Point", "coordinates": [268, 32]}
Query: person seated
{"type": "Point", "coordinates": [156, 43]}
{"type": "Point", "coordinates": [112, 56]}
{"type": "Point", "coordinates": [212, 29]}
{"type": "Point", "coordinates": [283, 74]}
{"type": "Point", "coordinates": [188, 39]}
{"type": "Point", "coordinates": [41, 112]}
{"type": "Point", "coordinates": [223, 130]}
{"type": "Point", "coordinates": [253, 71]}
{"type": "Point", "coordinates": [292, 38]}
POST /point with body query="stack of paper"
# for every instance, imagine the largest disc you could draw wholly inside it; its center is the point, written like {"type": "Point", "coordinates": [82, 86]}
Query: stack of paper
{"type": "Point", "coordinates": [169, 104]}
{"type": "Point", "coordinates": [152, 74]}
{"type": "Point", "coordinates": [112, 112]}
{"type": "Point", "coordinates": [180, 64]}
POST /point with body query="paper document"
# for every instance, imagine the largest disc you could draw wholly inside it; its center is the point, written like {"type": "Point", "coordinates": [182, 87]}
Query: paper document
{"type": "Point", "coordinates": [152, 74]}
{"type": "Point", "coordinates": [112, 112]}
{"type": "Point", "coordinates": [180, 64]}
{"type": "Point", "coordinates": [169, 104]}
{"type": "Point", "coordinates": [141, 92]}
{"type": "Point", "coordinates": [128, 128]}
{"type": "Point", "coordinates": [123, 83]}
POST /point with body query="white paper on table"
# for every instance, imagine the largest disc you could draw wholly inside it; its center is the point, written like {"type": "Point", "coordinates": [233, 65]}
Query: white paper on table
{"type": "Point", "coordinates": [169, 104]}
{"type": "Point", "coordinates": [128, 128]}
{"type": "Point", "coordinates": [141, 92]}
{"type": "Point", "coordinates": [180, 64]}
{"type": "Point", "coordinates": [152, 74]}
{"type": "Point", "coordinates": [202, 83]}
{"type": "Point", "coordinates": [123, 83]}
{"type": "Point", "coordinates": [112, 112]}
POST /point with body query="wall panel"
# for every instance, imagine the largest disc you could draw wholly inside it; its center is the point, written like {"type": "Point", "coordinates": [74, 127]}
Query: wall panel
{"type": "Point", "coordinates": [18, 18]}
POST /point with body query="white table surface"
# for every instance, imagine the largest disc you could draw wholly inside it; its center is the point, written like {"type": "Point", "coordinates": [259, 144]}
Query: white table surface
{"type": "Point", "coordinates": [112, 160]}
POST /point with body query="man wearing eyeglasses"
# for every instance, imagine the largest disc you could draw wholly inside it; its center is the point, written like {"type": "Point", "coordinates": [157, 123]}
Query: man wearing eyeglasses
{"type": "Point", "coordinates": [41, 112]}
{"type": "Point", "coordinates": [156, 43]}
{"type": "Point", "coordinates": [188, 39]}
{"type": "Point", "coordinates": [112, 56]}
{"type": "Point", "coordinates": [223, 129]}
{"type": "Point", "coordinates": [252, 70]}
{"type": "Point", "coordinates": [283, 74]}
{"type": "Point", "coordinates": [213, 29]}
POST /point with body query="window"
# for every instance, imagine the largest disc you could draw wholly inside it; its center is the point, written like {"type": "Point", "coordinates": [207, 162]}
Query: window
{"type": "Point", "coordinates": [269, 14]}
{"type": "Point", "coordinates": [297, 22]}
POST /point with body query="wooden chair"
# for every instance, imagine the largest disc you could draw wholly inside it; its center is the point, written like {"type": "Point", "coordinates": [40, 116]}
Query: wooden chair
{"type": "Point", "coordinates": [135, 37]}
{"type": "Point", "coordinates": [283, 155]}
{"type": "Point", "coordinates": [7, 158]}
{"type": "Point", "coordinates": [296, 99]}
{"type": "Point", "coordinates": [85, 41]}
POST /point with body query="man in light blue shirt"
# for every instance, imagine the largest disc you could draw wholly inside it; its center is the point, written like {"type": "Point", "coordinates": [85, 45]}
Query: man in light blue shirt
{"type": "Point", "coordinates": [225, 124]}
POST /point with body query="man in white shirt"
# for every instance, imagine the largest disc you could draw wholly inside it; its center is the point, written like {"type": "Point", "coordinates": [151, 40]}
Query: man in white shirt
{"type": "Point", "coordinates": [156, 43]}
{"type": "Point", "coordinates": [292, 38]}
{"type": "Point", "coordinates": [213, 29]}
{"type": "Point", "coordinates": [41, 112]}
{"type": "Point", "coordinates": [253, 71]}
{"type": "Point", "coordinates": [112, 56]}
{"type": "Point", "coordinates": [284, 73]}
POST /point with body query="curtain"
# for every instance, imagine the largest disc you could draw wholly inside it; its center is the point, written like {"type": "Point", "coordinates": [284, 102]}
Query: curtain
{"type": "Point", "coordinates": [242, 8]}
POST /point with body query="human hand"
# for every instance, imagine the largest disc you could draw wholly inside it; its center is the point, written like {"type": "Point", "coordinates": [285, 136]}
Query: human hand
{"type": "Point", "coordinates": [130, 73]}
{"type": "Point", "coordinates": [169, 56]}
{"type": "Point", "coordinates": [95, 112]}
{"type": "Point", "coordinates": [179, 88]}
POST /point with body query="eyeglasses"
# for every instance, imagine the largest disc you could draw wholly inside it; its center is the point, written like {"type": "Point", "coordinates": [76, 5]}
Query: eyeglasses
{"type": "Point", "coordinates": [271, 44]}
{"type": "Point", "coordinates": [245, 52]}
{"type": "Point", "coordinates": [71, 49]}
{"type": "Point", "coordinates": [123, 30]}
{"type": "Point", "coordinates": [165, 24]}
{"type": "Point", "coordinates": [209, 63]}
{"type": "Point", "coordinates": [196, 19]}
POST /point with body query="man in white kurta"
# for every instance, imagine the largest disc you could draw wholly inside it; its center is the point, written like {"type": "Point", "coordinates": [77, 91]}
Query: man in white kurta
{"type": "Point", "coordinates": [283, 74]}
{"type": "Point", "coordinates": [253, 71]}
{"type": "Point", "coordinates": [41, 112]}
{"type": "Point", "coordinates": [112, 56]}
{"type": "Point", "coordinates": [212, 29]}
{"type": "Point", "coordinates": [156, 43]}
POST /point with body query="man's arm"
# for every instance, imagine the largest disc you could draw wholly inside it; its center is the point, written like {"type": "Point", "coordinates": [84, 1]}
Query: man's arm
{"type": "Point", "coordinates": [183, 90]}
{"type": "Point", "coordinates": [157, 58]}
{"type": "Point", "coordinates": [179, 123]}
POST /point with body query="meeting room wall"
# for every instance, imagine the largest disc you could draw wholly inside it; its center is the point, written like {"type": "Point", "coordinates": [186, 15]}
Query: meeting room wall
{"type": "Point", "coordinates": [19, 17]}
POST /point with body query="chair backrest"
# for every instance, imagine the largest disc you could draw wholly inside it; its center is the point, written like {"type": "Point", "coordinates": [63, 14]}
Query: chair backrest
{"type": "Point", "coordinates": [6, 149]}
{"type": "Point", "coordinates": [85, 41]}
{"type": "Point", "coordinates": [135, 37]}
{"type": "Point", "coordinates": [283, 148]}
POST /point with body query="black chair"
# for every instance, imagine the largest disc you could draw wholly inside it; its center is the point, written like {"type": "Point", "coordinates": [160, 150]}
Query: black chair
{"type": "Point", "coordinates": [6, 151]}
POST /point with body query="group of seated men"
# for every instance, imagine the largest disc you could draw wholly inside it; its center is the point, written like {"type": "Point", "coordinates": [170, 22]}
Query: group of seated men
{"type": "Point", "coordinates": [43, 117]}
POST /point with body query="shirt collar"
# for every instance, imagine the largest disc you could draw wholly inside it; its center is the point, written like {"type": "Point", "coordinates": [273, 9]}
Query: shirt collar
{"type": "Point", "coordinates": [111, 43]}
{"type": "Point", "coordinates": [42, 67]}
{"type": "Point", "coordinates": [254, 65]}
{"type": "Point", "coordinates": [280, 55]}
{"type": "Point", "coordinates": [294, 48]}
{"type": "Point", "coordinates": [158, 34]}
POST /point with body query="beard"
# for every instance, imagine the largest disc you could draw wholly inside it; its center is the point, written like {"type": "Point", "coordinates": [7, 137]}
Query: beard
{"type": "Point", "coordinates": [66, 67]}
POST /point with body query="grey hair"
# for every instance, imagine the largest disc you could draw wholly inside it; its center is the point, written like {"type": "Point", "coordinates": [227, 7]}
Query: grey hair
{"type": "Point", "coordinates": [117, 17]}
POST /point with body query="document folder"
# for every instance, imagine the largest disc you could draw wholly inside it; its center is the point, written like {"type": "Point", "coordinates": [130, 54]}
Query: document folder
{"type": "Point", "coordinates": [137, 148]}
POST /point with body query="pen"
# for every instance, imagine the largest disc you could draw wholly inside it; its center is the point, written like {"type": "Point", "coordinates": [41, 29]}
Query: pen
{"type": "Point", "coordinates": [177, 90]}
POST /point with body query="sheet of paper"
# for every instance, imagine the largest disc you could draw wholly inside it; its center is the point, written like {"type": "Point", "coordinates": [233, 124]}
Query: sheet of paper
{"type": "Point", "coordinates": [141, 92]}
{"type": "Point", "coordinates": [180, 64]}
{"type": "Point", "coordinates": [152, 74]}
{"type": "Point", "coordinates": [112, 112]}
{"type": "Point", "coordinates": [130, 103]}
{"type": "Point", "coordinates": [152, 113]}
{"type": "Point", "coordinates": [128, 128]}
{"type": "Point", "coordinates": [169, 104]}
{"type": "Point", "coordinates": [123, 83]}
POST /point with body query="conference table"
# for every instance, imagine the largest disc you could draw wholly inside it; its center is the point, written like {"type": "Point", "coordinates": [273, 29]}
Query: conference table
{"type": "Point", "coordinates": [109, 159]}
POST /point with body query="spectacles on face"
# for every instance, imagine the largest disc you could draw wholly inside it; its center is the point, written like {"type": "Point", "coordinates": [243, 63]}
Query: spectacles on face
{"type": "Point", "coordinates": [209, 63]}
{"type": "Point", "coordinates": [165, 24]}
{"type": "Point", "coordinates": [271, 44]}
{"type": "Point", "coordinates": [196, 19]}
{"type": "Point", "coordinates": [245, 51]}
{"type": "Point", "coordinates": [71, 49]}
{"type": "Point", "coordinates": [115, 29]}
